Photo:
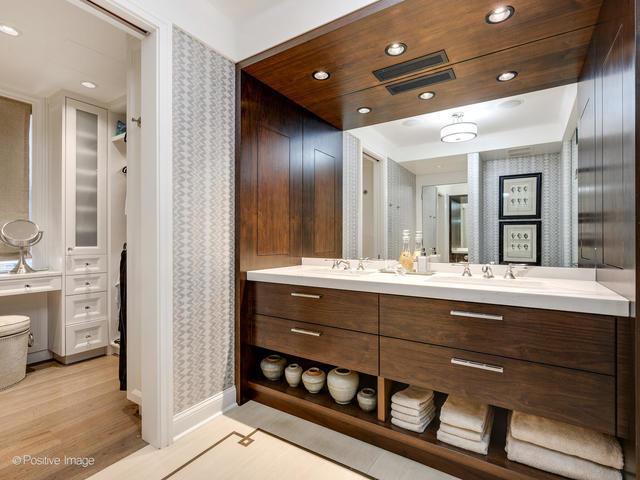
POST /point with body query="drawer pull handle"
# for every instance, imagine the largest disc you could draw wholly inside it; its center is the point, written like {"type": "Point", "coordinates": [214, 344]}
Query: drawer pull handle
{"type": "Point", "coordinates": [87, 307]}
{"type": "Point", "coordinates": [26, 285]}
{"type": "Point", "coordinates": [478, 365]}
{"type": "Point", "coordinates": [306, 295]}
{"type": "Point", "coordinates": [485, 316]}
{"type": "Point", "coordinates": [301, 331]}
{"type": "Point", "coordinates": [87, 283]}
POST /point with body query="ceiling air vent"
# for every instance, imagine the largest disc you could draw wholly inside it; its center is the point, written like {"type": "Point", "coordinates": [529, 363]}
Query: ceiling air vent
{"type": "Point", "coordinates": [421, 82]}
{"type": "Point", "coordinates": [428, 61]}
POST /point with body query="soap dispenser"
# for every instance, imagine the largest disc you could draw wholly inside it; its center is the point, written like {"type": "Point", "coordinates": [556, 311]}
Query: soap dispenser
{"type": "Point", "coordinates": [406, 258]}
{"type": "Point", "coordinates": [417, 250]}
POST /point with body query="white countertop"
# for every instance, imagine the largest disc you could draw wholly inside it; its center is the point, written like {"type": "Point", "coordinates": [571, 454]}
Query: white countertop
{"type": "Point", "coordinates": [39, 274]}
{"type": "Point", "coordinates": [575, 292]}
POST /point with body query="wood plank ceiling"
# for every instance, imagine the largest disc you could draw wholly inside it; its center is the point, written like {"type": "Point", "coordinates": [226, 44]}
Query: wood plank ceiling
{"type": "Point", "coordinates": [545, 41]}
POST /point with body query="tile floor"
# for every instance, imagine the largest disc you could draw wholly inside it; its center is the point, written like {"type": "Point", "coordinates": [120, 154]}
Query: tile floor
{"type": "Point", "coordinates": [152, 464]}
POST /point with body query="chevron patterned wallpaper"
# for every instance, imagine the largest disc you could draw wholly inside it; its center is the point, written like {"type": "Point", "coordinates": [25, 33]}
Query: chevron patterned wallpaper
{"type": "Point", "coordinates": [203, 209]}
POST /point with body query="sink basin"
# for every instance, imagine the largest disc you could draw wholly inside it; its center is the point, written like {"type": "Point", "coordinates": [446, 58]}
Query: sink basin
{"type": "Point", "coordinates": [345, 273]}
{"type": "Point", "coordinates": [487, 282]}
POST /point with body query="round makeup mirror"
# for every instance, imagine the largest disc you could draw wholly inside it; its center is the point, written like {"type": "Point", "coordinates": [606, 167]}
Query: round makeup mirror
{"type": "Point", "coordinates": [22, 234]}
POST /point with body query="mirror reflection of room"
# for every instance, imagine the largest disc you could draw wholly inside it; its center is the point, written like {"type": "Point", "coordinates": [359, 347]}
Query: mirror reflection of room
{"type": "Point", "coordinates": [480, 183]}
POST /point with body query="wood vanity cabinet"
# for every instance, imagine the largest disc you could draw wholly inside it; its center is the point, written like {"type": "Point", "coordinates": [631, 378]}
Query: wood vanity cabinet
{"type": "Point", "coordinates": [561, 365]}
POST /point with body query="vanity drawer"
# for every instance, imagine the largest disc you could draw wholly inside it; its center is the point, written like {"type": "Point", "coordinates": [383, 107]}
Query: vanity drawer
{"type": "Point", "coordinates": [580, 398]}
{"type": "Point", "coordinates": [85, 336]}
{"type": "Point", "coordinates": [77, 284]}
{"type": "Point", "coordinates": [86, 308]}
{"type": "Point", "coordinates": [18, 286]}
{"type": "Point", "coordinates": [335, 346]}
{"type": "Point", "coordinates": [336, 308]}
{"type": "Point", "coordinates": [573, 340]}
{"type": "Point", "coordinates": [77, 264]}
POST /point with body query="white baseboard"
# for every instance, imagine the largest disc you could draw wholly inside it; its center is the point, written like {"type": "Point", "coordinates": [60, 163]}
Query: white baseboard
{"type": "Point", "coordinates": [135, 396]}
{"type": "Point", "coordinates": [194, 417]}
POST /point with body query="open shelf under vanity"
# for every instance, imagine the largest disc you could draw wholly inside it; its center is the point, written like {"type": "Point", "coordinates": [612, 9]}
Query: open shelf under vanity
{"type": "Point", "coordinates": [320, 408]}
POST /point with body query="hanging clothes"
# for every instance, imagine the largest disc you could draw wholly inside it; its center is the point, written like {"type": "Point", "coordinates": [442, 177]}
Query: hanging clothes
{"type": "Point", "coordinates": [122, 319]}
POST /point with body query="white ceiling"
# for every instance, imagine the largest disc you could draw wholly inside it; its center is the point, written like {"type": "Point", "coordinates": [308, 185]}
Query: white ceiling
{"type": "Point", "coordinates": [60, 46]}
{"type": "Point", "coordinates": [454, 163]}
{"type": "Point", "coordinates": [534, 118]}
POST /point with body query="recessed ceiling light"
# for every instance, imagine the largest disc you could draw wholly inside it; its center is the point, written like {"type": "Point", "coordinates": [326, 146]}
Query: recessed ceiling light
{"type": "Point", "coordinates": [426, 95]}
{"type": "Point", "coordinates": [87, 84]}
{"type": "Point", "coordinates": [507, 76]}
{"type": "Point", "coordinates": [395, 49]}
{"type": "Point", "coordinates": [500, 14]}
{"type": "Point", "coordinates": [508, 104]}
{"type": "Point", "coordinates": [321, 75]}
{"type": "Point", "coordinates": [364, 110]}
{"type": "Point", "coordinates": [8, 30]}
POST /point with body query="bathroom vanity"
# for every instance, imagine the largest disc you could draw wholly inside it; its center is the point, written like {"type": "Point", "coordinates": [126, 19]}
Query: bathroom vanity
{"type": "Point", "coordinates": [552, 357]}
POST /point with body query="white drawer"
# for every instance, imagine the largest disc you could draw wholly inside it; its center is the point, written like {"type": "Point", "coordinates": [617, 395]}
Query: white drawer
{"type": "Point", "coordinates": [85, 336]}
{"type": "Point", "coordinates": [18, 286]}
{"type": "Point", "coordinates": [86, 308]}
{"type": "Point", "coordinates": [88, 283]}
{"type": "Point", "coordinates": [77, 264]}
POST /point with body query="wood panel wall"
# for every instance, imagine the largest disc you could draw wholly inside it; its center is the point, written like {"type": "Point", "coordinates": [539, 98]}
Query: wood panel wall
{"type": "Point", "coordinates": [289, 195]}
{"type": "Point", "coordinates": [607, 178]}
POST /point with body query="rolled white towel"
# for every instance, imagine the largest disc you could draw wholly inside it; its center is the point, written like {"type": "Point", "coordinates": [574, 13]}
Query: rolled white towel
{"type": "Point", "coordinates": [462, 413]}
{"type": "Point", "coordinates": [419, 428]}
{"type": "Point", "coordinates": [411, 411]}
{"type": "Point", "coordinates": [427, 414]}
{"type": "Point", "coordinates": [467, 434]}
{"type": "Point", "coordinates": [559, 436]}
{"type": "Point", "coordinates": [557, 462]}
{"type": "Point", "coordinates": [413, 397]}
{"type": "Point", "coordinates": [481, 447]}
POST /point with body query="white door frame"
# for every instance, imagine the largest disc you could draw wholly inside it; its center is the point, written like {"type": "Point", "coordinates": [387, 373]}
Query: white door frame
{"type": "Point", "coordinates": [380, 203]}
{"type": "Point", "coordinates": [155, 293]}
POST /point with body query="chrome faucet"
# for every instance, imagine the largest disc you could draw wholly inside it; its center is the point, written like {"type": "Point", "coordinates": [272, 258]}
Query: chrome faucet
{"type": "Point", "coordinates": [346, 263]}
{"type": "Point", "coordinates": [487, 270]}
{"type": "Point", "coordinates": [509, 273]}
{"type": "Point", "coordinates": [467, 269]}
{"type": "Point", "coordinates": [361, 263]}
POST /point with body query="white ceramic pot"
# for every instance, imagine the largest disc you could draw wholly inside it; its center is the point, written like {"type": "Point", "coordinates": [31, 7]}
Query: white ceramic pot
{"type": "Point", "coordinates": [343, 384]}
{"type": "Point", "coordinates": [293, 374]}
{"type": "Point", "coordinates": [367, 399]}
{"type": "Point", "coordinates": [313, 379]}
{"type": "Point", "coordinates": [273, 366]}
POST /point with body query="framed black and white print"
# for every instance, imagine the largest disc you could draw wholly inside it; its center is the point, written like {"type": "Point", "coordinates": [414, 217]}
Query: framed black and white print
{"type": "Point", "coordinates": [520, 242]}
{"type": "Point", "coordinates": [520, 196]}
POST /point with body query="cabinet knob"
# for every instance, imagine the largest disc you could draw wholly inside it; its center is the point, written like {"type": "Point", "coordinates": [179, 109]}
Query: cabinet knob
{"type": "Point", "coordinates": [87, 307]}
{"type": "Point", "coordinates": [87, 283]}
{"type": "Point", "coordinates": [26, 285]}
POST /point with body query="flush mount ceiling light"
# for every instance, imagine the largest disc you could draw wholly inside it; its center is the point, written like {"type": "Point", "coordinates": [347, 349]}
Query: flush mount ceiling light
{"type": "Point", "coordinates": [88, 84]}
{"type": "Point", "coordinates": [321, 75]}
{"type": "Point", "coordinates": [508, 104]}
{"type": "Point", "coordinates": [500, 14]}
{"type": "Point", "coordinates": [395, 49]}
{"type": "Point", "coordinates": [8, 30]}
{"type": "Point", "coordinates": [507, 76]}
{"type": "Point", "coordinates": [458, 131]}
{"type": "Point", "coordinates": [426, 95]}
{"type": "Point", "coordinates": [364, 110]}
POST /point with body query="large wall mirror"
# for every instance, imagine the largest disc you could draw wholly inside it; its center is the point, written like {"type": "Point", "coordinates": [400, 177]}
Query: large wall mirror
{"type": "Point", "coordinates": [501, 188]}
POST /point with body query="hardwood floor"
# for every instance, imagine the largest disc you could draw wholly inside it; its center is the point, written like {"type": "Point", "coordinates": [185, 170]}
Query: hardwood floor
{"type": "Point", "coordinates": [73, 411]}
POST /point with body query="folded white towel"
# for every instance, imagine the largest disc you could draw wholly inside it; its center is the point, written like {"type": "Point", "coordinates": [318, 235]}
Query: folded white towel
{"type": "Point", "coordinates": [557, 462]}
{"type": "Point", "coordinates": [411, 411]}
{"type": "Point", "coordinates": [428, 413]}
{"type": "Point", "coordinates": [413, 397]}
{"type": "Point", "coordinates": [559, 436]}
{"type": "Point", "coordinates": [467, 434]}
{"type": "Point", "coordinates": [481, 447]}
{"type": "Point", "coordinates": [462, 413]}
{"type": "Point", "coordinates": [411, 426]}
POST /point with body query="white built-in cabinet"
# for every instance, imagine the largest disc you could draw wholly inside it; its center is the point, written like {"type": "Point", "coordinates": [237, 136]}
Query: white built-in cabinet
{"type": "Point", "coordinates": [78, 167]}
{"type": "Point", "coordinates": [86, 179]}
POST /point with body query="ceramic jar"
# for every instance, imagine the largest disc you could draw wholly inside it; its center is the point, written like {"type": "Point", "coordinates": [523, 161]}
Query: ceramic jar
{"type": "Point", "coordinates": [273, 366]}
{"type": "Point", "coordinates": [313, 379]}
{"type": "Point", "coordinates": [293, 374]}
{"type": "Point", "coordinates": [367, 399]}
{"type": "Point", "coordinates": [343, 384]}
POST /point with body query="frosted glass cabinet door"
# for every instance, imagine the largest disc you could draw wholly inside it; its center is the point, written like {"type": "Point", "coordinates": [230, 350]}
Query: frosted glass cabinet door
{"type": "Point", "coordinates": [86, 176]}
